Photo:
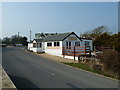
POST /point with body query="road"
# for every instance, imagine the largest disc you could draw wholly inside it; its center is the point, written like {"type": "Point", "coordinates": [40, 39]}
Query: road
{"type": "Point", "coordinates": [28, 70]}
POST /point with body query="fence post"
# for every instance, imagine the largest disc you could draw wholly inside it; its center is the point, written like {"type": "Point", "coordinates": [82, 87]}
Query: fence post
{"type": "Point", "coordinates": [85, 50]}
{"type": "Point", "coordinates": [63, 51]}
{"type": "Point", "coordinates": [74, 52]}
{"type": "Point", "coordinates": [102, 48]}
{"type": "Point", "coordinates": [94, 48]}
{"type": "Point", "coordinates": [79, 59]}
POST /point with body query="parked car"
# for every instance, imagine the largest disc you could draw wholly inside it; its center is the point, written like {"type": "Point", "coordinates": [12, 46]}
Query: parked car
{"type": "Point", "coordinates": [3, 45]}
{"type": "Point", "coordinates": [18, 45]}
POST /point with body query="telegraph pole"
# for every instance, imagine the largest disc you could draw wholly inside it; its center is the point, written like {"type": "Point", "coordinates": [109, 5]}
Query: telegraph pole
{"type": "Point", "coordinates": [18, 37]}
{"type": "Point", "coordinates": [30, 35]}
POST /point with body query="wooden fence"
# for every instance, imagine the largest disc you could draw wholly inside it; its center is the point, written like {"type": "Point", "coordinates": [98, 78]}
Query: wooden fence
{"type": "Point", "coordinates": [101, 48]}
{"type": "Point", "coordinates": [76, 50]}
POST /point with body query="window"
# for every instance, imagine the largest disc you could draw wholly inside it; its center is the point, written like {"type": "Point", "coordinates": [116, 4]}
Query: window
{"type": "Point", "coordinates": [37, 45]}
{"type": "Point", "coordinates": [68, 44]}
{"type": "Point", "coordinates": [56, 44]}
{"type": "Point", "coordinates": [40, 44]}
{"type": "Point", "coordinates": [87, 43]}
{"type": "Point", "coordinates": [49, 44]}
{"type": "Point", "coordinates": [77, 43]}
{"type": "Point", "coordinates": [34, 45]}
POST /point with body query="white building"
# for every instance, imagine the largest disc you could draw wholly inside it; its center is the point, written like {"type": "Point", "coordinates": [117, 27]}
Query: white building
{"type": "Point", "coordinates": [54, 44]}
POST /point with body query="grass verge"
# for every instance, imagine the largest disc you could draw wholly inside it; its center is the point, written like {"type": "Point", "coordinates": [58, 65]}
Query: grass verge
{"type": "Point", "coordinates": [85, 67]}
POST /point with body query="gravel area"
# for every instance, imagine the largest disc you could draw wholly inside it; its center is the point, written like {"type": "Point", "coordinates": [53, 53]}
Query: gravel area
{"type": "Point", "coordinates": [58, 58]}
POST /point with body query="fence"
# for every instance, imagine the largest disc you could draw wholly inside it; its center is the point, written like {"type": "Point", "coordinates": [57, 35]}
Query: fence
{"type": "Point", "coordinates": [76, 50]}
{"type": "Point", "coordinates": [100, 48]}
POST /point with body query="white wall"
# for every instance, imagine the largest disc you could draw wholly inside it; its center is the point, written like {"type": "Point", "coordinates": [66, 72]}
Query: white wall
{"type": "Point", "coordinates": [34, 49]}
{"type": "Point", "coordinates": [43, 46]}
{"type": "Point", "coordinates": [53, 50]}
{"type": "Point", "coordinates": [91, 43]}
{"type": "Point", "coordinates": [30, 45]}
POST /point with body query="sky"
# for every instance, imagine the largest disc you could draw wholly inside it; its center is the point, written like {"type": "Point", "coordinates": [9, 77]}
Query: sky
{"type": "Point", "coordinates": [59, 17]}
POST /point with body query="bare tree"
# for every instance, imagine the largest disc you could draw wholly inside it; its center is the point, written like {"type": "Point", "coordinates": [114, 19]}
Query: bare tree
{"type": "Point", "coordinates": [95, 32]}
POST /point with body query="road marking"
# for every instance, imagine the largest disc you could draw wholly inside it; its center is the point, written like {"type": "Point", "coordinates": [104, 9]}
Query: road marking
{"type": "Point", "coordinates": [43, 69]}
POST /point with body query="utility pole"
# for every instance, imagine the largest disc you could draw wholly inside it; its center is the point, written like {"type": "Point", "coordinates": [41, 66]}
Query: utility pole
{"type": "Point", "coordinates": [18, 37]}
{"type": "Point", "coordinates": [30, 35]}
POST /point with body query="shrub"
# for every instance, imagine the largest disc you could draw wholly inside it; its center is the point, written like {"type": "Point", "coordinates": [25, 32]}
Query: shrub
{"type": "Point", "coordinates": [109, 58]}
{"type": "Point", "coordinates": [97, 67]}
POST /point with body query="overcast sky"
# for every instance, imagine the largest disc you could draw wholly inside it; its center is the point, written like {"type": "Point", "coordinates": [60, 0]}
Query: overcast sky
{"type": "Point", "coordinates": [58, 17]}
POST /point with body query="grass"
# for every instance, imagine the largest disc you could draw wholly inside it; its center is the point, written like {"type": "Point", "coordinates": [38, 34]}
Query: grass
{"type": "Point", "coordinates": [85, 67]}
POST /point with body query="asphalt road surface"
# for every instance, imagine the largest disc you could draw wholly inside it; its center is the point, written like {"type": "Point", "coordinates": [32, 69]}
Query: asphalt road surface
{"type": "Point", "coordinates": [28, 70]}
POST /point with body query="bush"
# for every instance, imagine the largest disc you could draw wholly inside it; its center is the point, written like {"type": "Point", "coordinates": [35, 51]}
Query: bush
{"type": "Point", "coordinates": [109, 58]}
{"type": "Point", "coordinates": [95, 70]}
{"type": "Point", "coordinates": [97, 67]}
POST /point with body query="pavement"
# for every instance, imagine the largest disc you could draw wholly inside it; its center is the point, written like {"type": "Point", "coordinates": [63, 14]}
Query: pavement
{"type": "Point", "coordinates": [28, 70]}
{"type": "Point", "coordinates": [5, 81]}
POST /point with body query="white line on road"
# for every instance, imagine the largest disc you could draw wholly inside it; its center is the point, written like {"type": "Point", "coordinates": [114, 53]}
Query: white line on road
{"type": "Point", "coordinates": [42, 69]}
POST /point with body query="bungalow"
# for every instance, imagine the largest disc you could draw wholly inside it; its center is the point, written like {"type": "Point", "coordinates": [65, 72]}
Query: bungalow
{"type": "Point", "coordinates": [53, 44]}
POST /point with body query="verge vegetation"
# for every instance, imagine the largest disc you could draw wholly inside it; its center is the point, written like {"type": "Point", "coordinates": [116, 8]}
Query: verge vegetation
{"type": "Point", "coordinates": [86, 67]}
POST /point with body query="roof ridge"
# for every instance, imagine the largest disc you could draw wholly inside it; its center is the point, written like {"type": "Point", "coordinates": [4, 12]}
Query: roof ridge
{"type": "Point", "coordinates": [57, 37]}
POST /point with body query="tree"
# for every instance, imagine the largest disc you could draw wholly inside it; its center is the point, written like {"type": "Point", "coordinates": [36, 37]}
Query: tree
{"type": "Point", "coordinates": [19, 40]}
{"type": "Point", "coordinates": [15, 39]}
{"type": "Point", "coordinates": [117, 42]}
{"type": "Point", "coordinates": [6, 40]}
{"type": "Point", "coordinates": [108, 40]}
{"type": "Point", "coordinates": [86, 34]}
{"type": "Point", "coordinates": [24, 41]}
{"type": "Point", "coordinates": [102, 40]}
{"type": "Point", "coordinates": [95, 32]}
